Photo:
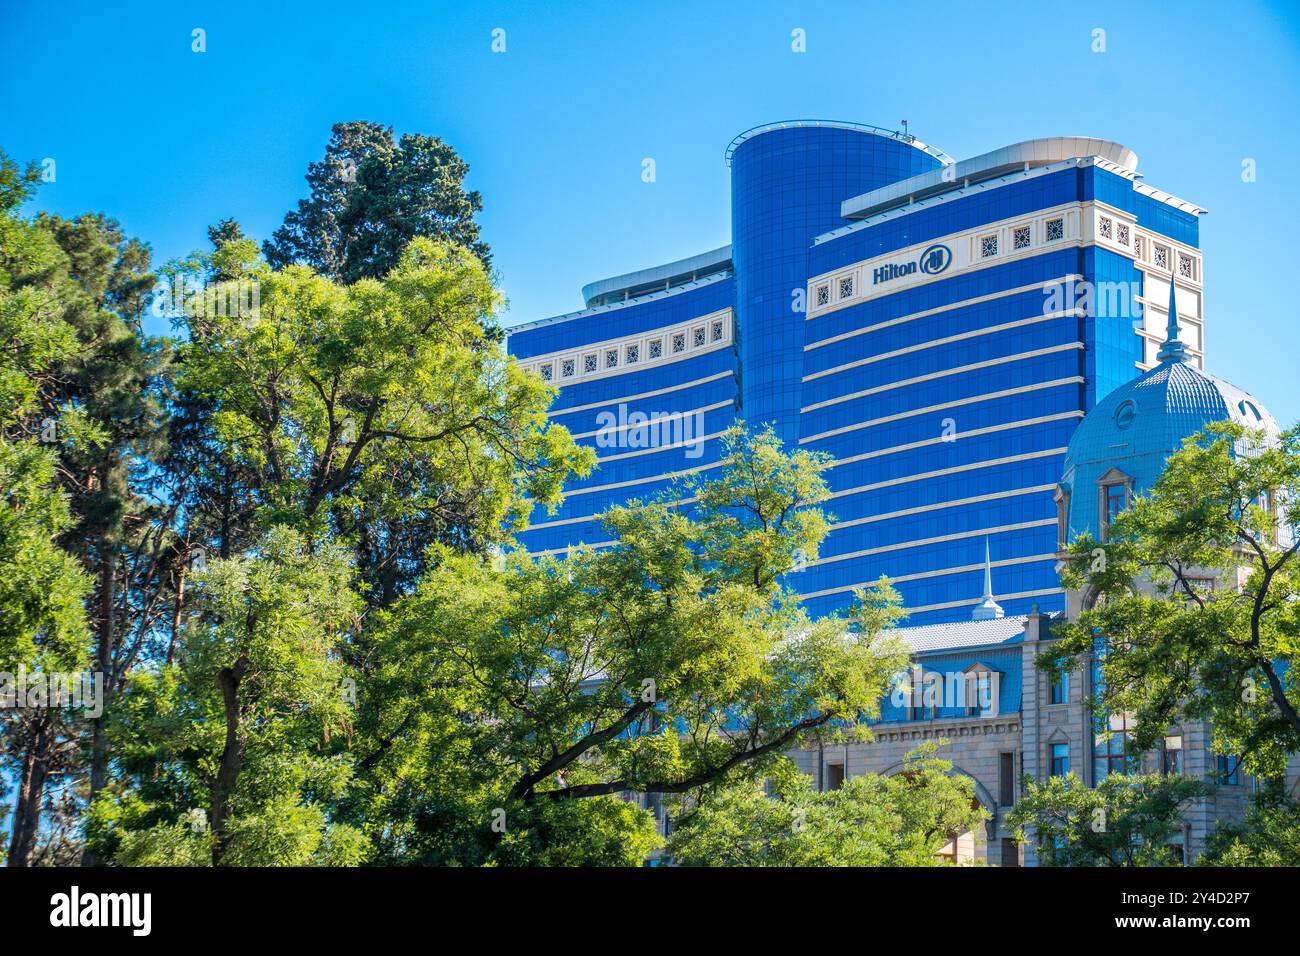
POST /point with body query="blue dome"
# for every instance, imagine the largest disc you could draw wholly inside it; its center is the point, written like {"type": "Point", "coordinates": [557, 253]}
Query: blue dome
{"type": "Point", "coordinates": [1129, 434]}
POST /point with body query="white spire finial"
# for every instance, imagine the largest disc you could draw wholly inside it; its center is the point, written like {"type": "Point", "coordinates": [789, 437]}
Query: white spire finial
{"type": "Point", "coordinates": [1173, 349]}
{"type": "Point", "coordinates": [988, 609]}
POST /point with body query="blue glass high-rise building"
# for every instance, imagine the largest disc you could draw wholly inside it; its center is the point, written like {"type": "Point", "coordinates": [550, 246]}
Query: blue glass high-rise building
{"type": "Point", "coordinates": [938, 327]}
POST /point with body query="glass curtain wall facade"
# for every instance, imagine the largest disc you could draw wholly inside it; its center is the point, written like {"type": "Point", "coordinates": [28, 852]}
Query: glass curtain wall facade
{"type": "Point", "coordinates": [938, 328]}
{"type": "Point", "coordinates": [787, 185]}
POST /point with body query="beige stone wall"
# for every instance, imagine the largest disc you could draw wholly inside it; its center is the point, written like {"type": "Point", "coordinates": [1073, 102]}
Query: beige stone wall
{"type": "Point", "coordinates": [974, 746]}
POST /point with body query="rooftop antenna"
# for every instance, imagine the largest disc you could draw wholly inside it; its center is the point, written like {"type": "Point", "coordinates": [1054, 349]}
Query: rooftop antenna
{"type": "Point", "coordinates": [905, 136]}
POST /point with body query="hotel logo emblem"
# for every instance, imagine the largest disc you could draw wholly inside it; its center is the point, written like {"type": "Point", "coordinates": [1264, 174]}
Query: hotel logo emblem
{"type": "Point", "coordinates": [935, 259]}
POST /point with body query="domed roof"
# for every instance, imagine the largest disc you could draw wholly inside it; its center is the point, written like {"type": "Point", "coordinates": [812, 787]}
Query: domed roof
{"type": "Point", "coordinates": [1134, 429]}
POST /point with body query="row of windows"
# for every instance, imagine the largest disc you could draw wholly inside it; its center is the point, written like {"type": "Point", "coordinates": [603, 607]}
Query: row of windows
{"type": "Point", "coordinates": [1112, 755]}
{"type": "Point", "coordinates": [922, 577]}
{"type": "Point", "coordinates": [1047, 600]}
{"type": "Point", "coordinates": [1020, 236]}
{"type": "Point", "coordinates": [885, 402]}
{"type": "Point", "coordinates": [1020, 509]}
{"type": "Point", "coordinates": [669, 344]}
{"type": "Point", "coordinates": [952, 357]}
{"type": "Point", "coordinates": [590, 416]}
{"type": "Point", "coordinates": [971, 450]}
{"type": "Point", "coordinates": [614, 323]}
{"type": "Point", "coordinates": [952, 425]}
{"type": "Point", "coordinates": [959, 320]}
{"type": "Point", "coordinates": [1038, 472]}
{"type": "Point", "coordinates": [1148, 249]}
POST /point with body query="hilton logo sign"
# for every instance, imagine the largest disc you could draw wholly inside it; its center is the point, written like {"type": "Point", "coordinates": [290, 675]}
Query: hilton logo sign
{"type": "Point", "coordinates": [932, 261]}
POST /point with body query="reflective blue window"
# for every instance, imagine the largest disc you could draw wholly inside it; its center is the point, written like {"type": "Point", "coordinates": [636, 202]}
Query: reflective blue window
{"type": "Point", "coordinates": [1060, 760]}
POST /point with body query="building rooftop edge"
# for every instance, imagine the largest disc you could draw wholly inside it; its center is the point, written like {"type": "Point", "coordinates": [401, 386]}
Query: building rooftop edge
{"type": "Point", "coordinates": [714, 257]}
{"type": "Point", "coordinates": [1023, 155]}
{"type": "Point", "coordinates": [597, 310]}
{"type": "Point", "coordinates": [895, 134]}
{"type": "Point", "coordinates": [959, 190]}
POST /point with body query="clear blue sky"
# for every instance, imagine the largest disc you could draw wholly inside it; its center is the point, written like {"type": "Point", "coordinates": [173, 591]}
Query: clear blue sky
{"type": "Point", "coordinates": [555, 129]}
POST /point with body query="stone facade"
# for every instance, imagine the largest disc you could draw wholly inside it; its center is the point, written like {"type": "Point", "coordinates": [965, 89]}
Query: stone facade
{"type": "Point", "coordinates": [1019, 739]}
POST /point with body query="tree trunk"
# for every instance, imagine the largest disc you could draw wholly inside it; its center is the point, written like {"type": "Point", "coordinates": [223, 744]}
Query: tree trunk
{"type": "Point", "coordinates": [31, 791]}
{"type": "Point", "coordinates": [104, 668]}
{"type": "Point", "coordinates": [178, 615]}
{"type": "Point", "coordinates": [232, 757]}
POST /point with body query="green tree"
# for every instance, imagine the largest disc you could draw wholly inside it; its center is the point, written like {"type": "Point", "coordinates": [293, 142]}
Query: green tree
{"type": "Point", "coordinates": [1182, 648]}
{"type": "Point", "coordinates": [33, 277]}
{"type": "Point", "coordinates": [1126, 820]}
{"type": "Point", "coordinates": [656, 666]}
{"type": "Point", "coordinates": [42, 587]}
{"type": "Point", "coordinates": [378, 413]}
{"type": "Point", "coordinates": [872, 820]}
{"type": "Point", "coordinates": [42, 631]}
{"type": "Point", "coordinates": [1269, 835]}
{"type": "Point", "coordinates": [228, 748]}
{"type": "Point", "coordinates": [115, 380]}
{"type": "Point", "coordinates": [372, 420]}
{"type": "Point", "coordinates": [369, 197]}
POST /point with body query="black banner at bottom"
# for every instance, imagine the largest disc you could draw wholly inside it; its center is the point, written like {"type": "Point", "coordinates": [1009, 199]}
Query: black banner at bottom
{"type": "Point", "coordinates": [332, 907]}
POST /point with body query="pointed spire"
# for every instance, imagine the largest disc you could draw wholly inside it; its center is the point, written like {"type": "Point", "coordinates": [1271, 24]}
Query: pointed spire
{"type": "Point", "coordinates": [988, 609]}
{"type": "Point", "coordinates": [1173, 349]}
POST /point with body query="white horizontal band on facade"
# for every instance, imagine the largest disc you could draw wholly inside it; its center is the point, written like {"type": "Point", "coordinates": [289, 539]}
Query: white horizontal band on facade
{"type": "Point", "coordinates": [968, 602]}
{"type": "Point", "coordinates": [960, 304]}
{"type": "Point", "coordinates": [940, 505]}
{"type": "Point", "coordinates": [974, 399]}
{"type": "Point", "coordinates": [1015, 492]}
{"type": "Point", "coordinates": [973, 433]}
{"type": "Point", "coordinates": [667, 476]}
{"type": "Point", "coordinates": [943, 373]}
{"type": "Point", "coordinates": [641, 395]}
{"type": "Point", "coordinates": [676, 503]}
{"type": "Point", "coordinates": [924, 542]}
{"type": "Point", "coordinates": [963, 569]}
{"type": "Point", "coordinates": [956, 469]}
{"type": "Point", "coordinates": [946, 340]}
{"type": "Point", "coordinates": [569, 547]}
{"type": "Point", "coordinates": [664, 418]}
{"type": "Point", "coordinates": [653, 348]}
{"type": "Point", "coordinates": [956, 503]}
{"type": "Point", "coordinates": [675, 446]}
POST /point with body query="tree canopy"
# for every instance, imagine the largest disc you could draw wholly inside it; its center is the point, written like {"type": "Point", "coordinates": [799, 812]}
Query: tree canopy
{"type": "Point", "coordinates": [1195, 592]}
{"type": "Point", "coordinates": [369, 197]}
{"type": "Point", "coordinates": [872, 820]}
